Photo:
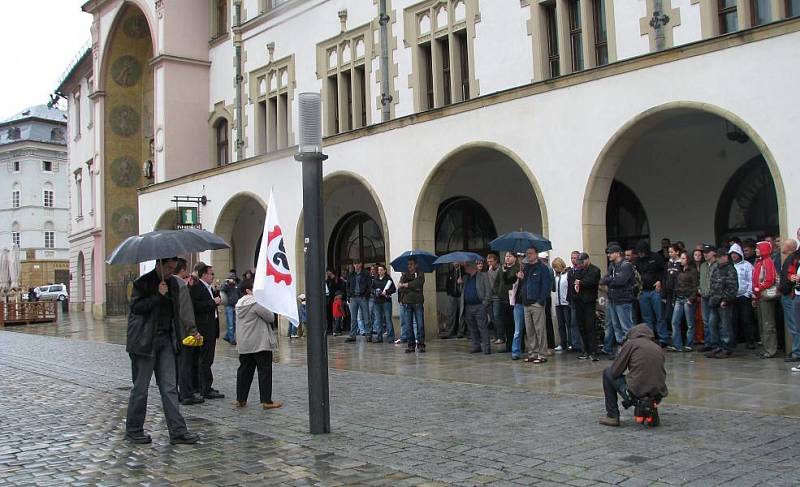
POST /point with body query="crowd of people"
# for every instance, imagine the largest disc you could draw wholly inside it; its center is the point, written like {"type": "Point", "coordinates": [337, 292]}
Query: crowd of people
{"type": "Point", "coordinates": [706, 299]}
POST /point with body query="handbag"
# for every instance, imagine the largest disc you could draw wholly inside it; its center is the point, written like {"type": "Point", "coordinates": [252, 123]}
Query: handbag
{"type": "Point", "coordinates": [771, 293]}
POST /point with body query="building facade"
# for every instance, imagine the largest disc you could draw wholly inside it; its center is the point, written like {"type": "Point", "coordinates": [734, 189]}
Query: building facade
{"type": "Point", "coordinates": [448, 122]}
{"type": "Point", "coordinates": [34, 213]}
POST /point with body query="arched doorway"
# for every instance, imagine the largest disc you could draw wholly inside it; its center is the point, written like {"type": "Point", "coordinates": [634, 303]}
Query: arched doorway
{"type": "Point", "coordinates": [457, 181]}
{"type": "Point", "coordinates": [676, 160]}
{"type": "Point", "coordinates": [127, 81]}
{"type": "Point", "coordinates": [241, 224]}
{"type": "Point", "coordinates": [461, 224]}
{"type": "Point", "coordinates": [748, 206]}
{"type": "Point", "coordinates": [356, 237]}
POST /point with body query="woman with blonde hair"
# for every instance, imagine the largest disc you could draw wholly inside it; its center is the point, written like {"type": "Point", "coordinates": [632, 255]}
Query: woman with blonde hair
{"type": "Point", "coordinates": [563, 312]}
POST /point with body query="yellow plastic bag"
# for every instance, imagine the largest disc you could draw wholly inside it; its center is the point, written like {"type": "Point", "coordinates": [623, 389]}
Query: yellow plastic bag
{"type": "Point", "coordinates": [191, 341]}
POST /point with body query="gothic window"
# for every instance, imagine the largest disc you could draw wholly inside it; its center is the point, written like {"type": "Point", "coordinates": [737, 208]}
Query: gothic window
{"type": "Point", "coordinates": [221, 139]}
{"type": "Point", "coordinates": [626, 220]}
{"type": "Point", "coordinates": [461, 224]}
{"type": "Point", "coordinates": [346, 62]}
{"type": "Point", "coordinates": [748, 206]}
{"type": "Point", "coordinates": [356, 237]}
{"type": "Point", "coordinates": [273, 89]}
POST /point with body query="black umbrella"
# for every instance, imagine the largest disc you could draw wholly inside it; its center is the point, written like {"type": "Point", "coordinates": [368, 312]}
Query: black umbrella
{"type": "Point", "coordinates": [162, 244]}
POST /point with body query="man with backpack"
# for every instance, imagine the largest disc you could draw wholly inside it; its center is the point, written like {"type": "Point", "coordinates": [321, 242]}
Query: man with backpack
{"type": "Point", "coordinates": [620, 281]}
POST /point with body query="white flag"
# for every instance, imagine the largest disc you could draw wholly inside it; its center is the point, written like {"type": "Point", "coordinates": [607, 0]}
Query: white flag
{"type": "Point", "coordinates": [274, 285]}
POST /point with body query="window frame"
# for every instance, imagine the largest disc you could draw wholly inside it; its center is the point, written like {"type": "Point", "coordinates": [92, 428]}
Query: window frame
{"type": "Point", "coordinates": [16, 238]}
{"type": "Point", "coordinates": [576, 35]}
{"type": "Point", "coordinates": [16, 166]}
{"type": "Point", "coordinates": [77, 102]}
{"type": "Point", "coordinates": [15, 198]}
{"type": "Point", "coordinates": [49, 239]}
{"type": "Point", "coordinates": [600, 40]}
{"type": "Point", "coordinates": [222, 144]}
{"type": "Point", "coordinates": [553, 49]}
{"type": "Point", "coordinates": [52, 198]}
{"type": "Point", "coordinates": [754, 13]}
{"type": "Point", "coordinates": [788, 8]}
{"type": "Point", "coordinates": [723, 12]}
{"type": "Point", "coordinates": [47, 166]}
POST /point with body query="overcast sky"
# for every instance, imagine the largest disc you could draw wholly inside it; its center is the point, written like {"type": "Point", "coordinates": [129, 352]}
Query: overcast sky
{"type": "Point", "coordinates": [39, 39]}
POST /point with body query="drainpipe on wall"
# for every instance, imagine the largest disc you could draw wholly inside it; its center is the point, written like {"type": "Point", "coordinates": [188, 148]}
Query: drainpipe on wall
{"type": "Point", "coordinates": [237, 45]}
{"type": "Point", "coordinates": [386, 97]}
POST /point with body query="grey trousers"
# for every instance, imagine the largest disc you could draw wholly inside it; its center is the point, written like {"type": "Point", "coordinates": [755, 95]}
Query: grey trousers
{"type": "Point", "coordinates": [535, 332]}
{"type": "Point", "coordinates": [477, 320]}
{"type": "Point", "coordinates": [765, 311]}
{"type": "Point", "coordinates": [142, 368]}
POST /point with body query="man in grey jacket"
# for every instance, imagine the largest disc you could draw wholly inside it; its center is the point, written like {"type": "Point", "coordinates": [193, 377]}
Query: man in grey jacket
{"type": "Point", "coordinates": [477, 293]}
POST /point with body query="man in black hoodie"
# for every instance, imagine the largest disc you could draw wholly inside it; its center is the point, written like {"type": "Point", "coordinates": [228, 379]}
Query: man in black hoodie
{"type": "Point", "coordinates": [644, 361]}
{"type": "Point", "coordinates": [651, 268]}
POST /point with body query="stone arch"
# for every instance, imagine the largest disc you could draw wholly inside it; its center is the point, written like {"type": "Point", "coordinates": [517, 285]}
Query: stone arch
{"type": "Point", "coordinates": [432, 189]}
{"type": "Point", "coordinates": [477, 159]}
{"type": "Point", "coordinates": [328, 182]}
{"type": "Point", "coordinates": [241, 205]}
{"type": "Point", "coordinates": [614, 152]}
{"type": "Point", "coordinates": [141, 5]}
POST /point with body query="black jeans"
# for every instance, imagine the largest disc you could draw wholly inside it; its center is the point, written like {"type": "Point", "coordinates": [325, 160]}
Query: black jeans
{"type": "Point", "coordinates": [744, 319]}
{"type": "Point", "coordinates": [508, 323]}
{"type": "Point", "coordinates": [248, 363]}
{"type": "Point", "coordinates": [613, 388]}
{"type": "Point", "coordinates": [142, 369]}
{"type": "Point", "coordinates": [188, 377]}
{"type": "Point", "coordinates": [584, 313]}
{"type": "Point", "coordinates": [204, 363]}
{"type": "Point", "coordinates": [564, 317]}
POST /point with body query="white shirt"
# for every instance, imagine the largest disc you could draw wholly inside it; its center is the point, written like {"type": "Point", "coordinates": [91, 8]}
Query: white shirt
{"type": "Point", "coordinates": [208, 287]}
{"type": "Point", "coordinates": [561, 289]}
{"type": "Point", "coordinates": [744, 270]}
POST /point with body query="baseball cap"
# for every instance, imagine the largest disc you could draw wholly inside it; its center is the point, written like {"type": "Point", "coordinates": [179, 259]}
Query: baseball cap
{"type": "Point", "coordinates": [709, 248]}
{"type": "Point", "coordinates": [583, 256]}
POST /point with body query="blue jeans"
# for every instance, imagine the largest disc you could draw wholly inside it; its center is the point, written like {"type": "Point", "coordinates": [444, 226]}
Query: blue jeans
{"type": "Point", "coordinates": [574, 333]}
{"type": "Point", "coordinates": [791, 313]}
{"type": "Point", "coordinates": [359, 303]}
{"type": "Point", "coordinates": [705, 310]}
{"type": "Point", "coordinates": [613, 389]}
{"type": "Point", "coordinates": [608, 327]}
{"type": "Point", "coordinates": [383, 320]}
{"type": "Point", "coordinates": [564, 318]}
{"type": "Point", "coordinates": [650, 304]}
{"type": "Point", "coordinates": [414, 313]}
{"type": "Point", "coordinates": [683, 307]}
{"type": "Point", "coordinates": [720, 327]}
{"type": "Point", "coordinates": [230, 319]}
{"type": "Point", "coordinates": [621, 321]}
{"type": "Point", "coordinates": [519, 325]}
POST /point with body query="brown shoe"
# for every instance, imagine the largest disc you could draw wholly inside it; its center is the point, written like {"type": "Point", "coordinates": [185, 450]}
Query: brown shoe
{"type": "Point", "coordinates": [609, 421]}
{"type": "Point", "coordinates": [240, 404]}
{"type": "Point", "coordinates": [271, 405]}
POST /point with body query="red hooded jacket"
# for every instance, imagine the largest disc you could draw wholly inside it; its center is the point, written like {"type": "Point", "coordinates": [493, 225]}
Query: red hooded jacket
{"type": "Point", "coordinates": [764, 273]}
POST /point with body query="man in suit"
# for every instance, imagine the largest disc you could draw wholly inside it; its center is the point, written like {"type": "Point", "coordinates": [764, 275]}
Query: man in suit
{"type": "Point", "coordinates": [205, 301]}
{"type": "Point", "coordinates": [156, 324]}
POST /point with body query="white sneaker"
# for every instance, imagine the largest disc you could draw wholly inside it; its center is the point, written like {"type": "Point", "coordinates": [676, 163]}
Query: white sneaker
{"type": "Point", "coordinates": [559, 348]}
{"type": "Point", "coordinates": [796, 368]}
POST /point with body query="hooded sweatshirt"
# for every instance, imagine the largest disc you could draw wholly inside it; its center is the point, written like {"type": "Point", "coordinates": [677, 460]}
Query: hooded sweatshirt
{"type": "Point", "coordinates": [764, 273]}
{"type": "Point", "coordinates": [744, 270]}
{"type": "Point", "coordinates": [644, 361]}
{"type": "Point", "coordinates": [254, 331]}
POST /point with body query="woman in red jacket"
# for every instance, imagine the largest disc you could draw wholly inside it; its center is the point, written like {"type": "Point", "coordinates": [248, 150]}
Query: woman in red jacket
{"type": "Point", "coordinates": [764, 295]}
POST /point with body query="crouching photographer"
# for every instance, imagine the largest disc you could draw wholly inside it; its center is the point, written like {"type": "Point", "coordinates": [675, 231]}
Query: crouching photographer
{"type": "Point", "coordinates": [645, 384]}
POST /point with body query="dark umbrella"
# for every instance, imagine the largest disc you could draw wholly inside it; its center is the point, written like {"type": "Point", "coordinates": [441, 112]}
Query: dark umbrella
{"type": "Point", "coordinates": [519, 242]}
{"type": "Point", "coordinates": [162, 244]}
{"type": "Point", "coordinates": [459, 257]}
{"type": "Point", "coordinates": [423, 259]}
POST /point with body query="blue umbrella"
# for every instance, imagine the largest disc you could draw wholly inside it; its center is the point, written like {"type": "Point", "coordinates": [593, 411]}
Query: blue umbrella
{"type": "Point", "coordinates": [519, 242]}
{"type": "Point", "coordinates": [423, 259]}
{"type": "Point", "coordinates": [458, 256]}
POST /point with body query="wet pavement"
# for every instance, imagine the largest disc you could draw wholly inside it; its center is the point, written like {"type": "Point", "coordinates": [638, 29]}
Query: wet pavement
{"type": "Point", "coordinates": [445, 417]}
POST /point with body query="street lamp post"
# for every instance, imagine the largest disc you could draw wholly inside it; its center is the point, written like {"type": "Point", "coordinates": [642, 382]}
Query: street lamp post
{"type": "Point", "coordinates": [311, 156]}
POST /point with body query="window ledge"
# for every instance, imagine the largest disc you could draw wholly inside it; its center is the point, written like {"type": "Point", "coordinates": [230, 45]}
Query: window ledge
{"type": "Point", "coordinates": [217, 40]}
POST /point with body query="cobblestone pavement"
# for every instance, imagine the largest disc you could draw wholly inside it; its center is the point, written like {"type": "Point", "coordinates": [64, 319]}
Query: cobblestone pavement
{"type": "Point", "coordinates": [63, 405]}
